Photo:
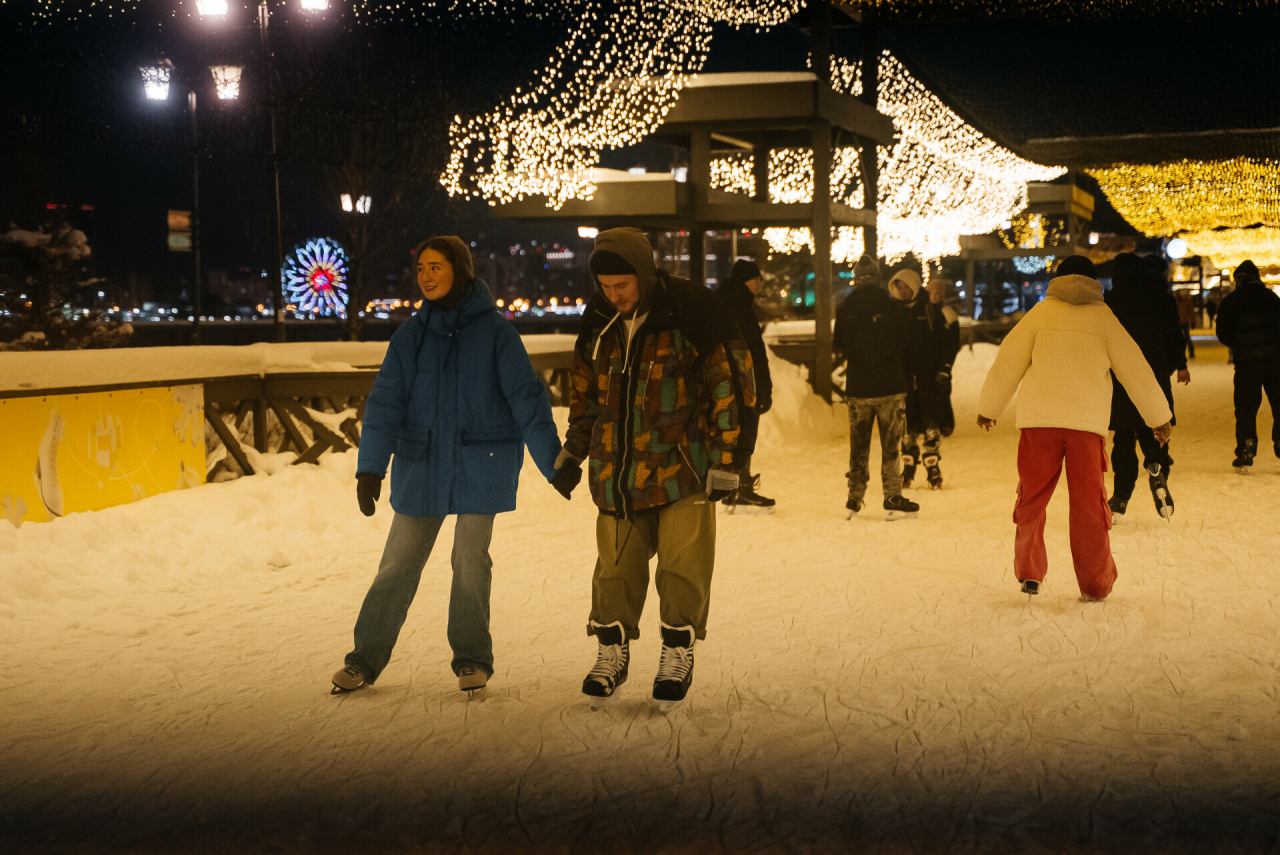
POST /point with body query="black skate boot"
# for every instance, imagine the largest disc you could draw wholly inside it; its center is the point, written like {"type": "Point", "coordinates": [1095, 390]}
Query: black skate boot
{"type": "Point", "coordinates": [348, 678]}
{"type": "Point", "coordinates": [1158, 479]}
{"type": "Point", "coordinates": [934, 471]}
{"type": "Point", "coordinates": [1030, 586]}
{"type": "Point", "coordinates": [908, 470]}
{"type": "Point", "coordinates": [610, 670]}
{"type": "Point", "coordinates": [1118, 507]}
{"type": "Point", "coordinates": [746, 499]}
{"type": "Point", "coordinates": [1244, 456]}
{"type": "Point", "coordinates": [675, 669]}
{"type": "Point", "coordinates": [854, 506]}
{"type": "Point", "coordinates": [900, 507]}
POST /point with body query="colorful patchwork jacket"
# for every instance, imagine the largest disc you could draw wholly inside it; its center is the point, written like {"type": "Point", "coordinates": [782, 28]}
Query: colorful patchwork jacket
{"type": "Point", "coordinates": [651, 419]}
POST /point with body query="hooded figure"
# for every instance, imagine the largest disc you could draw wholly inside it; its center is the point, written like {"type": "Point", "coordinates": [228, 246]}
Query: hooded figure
{"type": "Point", "coordinates": [660, 380]}
{"type": "Point", "coordinates": [871, 332]}
{"type": "Point", "coordinates": [738, 294]}
{"type": "Point", "coordinates": [1059, 359]}
{"type": "Point", "coordinates": [1249, 324]}
{"type": "Point", "coordinates": [453, 407]}
{"type": "Point", "coordinates": [1149, 315]}
{"type": "Point", "coordinates": [933, 340]}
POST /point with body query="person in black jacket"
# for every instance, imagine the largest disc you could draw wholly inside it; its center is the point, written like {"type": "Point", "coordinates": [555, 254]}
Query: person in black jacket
{"type": "Point", "coordinates": [1249, 324]}
{"type": "Point", "coordinates": [1149, 314]}
{"type": "Point", "coordinates": [871, 331]}
{"type": "Point", "coordinates": [933, 340]}
{"type": "Point", "coordinates": [738, 294]}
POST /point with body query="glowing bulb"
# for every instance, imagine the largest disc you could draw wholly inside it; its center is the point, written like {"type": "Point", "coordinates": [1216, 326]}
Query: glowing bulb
{"type": "Point", "coordinates": [1177, 248]}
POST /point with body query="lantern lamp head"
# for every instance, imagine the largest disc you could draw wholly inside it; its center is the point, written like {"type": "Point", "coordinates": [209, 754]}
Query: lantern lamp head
{"type": "Point", "coordinates": [314, 5]}
{"type": "Point", "coordinates": [155, 80]}
{"type": "Point", "coordinates": [212, 8]}
{"type": "Point", "coordinates": [226, 81]}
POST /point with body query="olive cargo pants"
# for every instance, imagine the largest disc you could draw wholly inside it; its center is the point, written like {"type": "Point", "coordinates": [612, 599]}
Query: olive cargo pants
{"type": "Point", "coordinates": [683, 536]}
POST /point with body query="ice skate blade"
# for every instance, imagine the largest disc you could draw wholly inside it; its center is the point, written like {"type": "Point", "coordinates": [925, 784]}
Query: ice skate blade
{"type": "Point", "coordinates": [891, 516]}
{"type": "Point", "coordinates": [338, 690]}
{"type": "Point", "coordinates": [753, 509]}
{"type": "Point", "coordinates": [476, 694]}
{"type": "Point", "coordinates": [730, 509]}
{"type": "Point", "coordinates": [1242, 470]}
{"type": "Point", "coordinates": [668, 707]}
{"type": "Point", "coordinates": [1085, 598]}
{"type": "Point", "coordinates": [596, 702]}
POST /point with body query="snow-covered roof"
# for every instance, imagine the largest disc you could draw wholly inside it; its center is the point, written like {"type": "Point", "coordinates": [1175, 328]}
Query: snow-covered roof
{"type": "Point", "coordinates": [748, 78]}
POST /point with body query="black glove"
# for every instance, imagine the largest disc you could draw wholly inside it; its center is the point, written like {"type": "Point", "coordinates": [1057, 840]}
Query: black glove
{"type": "Point", "coordinates": [943, 381]}
{"type": "Point", "coordinates": [368, 489]}
{"type": "Point", "coordinates": [764, 405]}
{"type": "Point", "coordinates": [720, 483]}
{"type": "Point", "coordinates": [567, 477]}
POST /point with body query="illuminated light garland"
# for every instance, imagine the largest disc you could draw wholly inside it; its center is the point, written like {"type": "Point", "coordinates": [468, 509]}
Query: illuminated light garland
{"type": "Point", "coordinates": [1209, 204]}
{"type": "Point", "coordinates": [1194, 195]}
{"type": "Point", "coordinates": [941, 179]}
{"type": "Point", "coordinates": [315, 278]}
{"type": "Point", "coordinates": [1229, 247]}
{"type": "Point", "coordinates": [608, 86]}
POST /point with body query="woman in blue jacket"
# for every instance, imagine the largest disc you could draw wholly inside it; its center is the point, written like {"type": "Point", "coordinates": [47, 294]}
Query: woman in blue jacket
{"type": "Point", "coordinates": [456, 401]}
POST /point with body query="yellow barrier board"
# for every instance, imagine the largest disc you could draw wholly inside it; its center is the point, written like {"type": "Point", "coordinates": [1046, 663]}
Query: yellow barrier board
{"type": "Point", "coordinates": [66, 453]}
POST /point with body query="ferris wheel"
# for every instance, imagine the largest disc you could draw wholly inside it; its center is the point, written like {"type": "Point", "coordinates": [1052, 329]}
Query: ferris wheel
{"type": "Point", "coordinates": [315, 278]}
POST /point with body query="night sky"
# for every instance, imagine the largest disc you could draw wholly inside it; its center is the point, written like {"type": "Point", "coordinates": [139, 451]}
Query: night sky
{"type": "Point", "coordinates": [78, 131]}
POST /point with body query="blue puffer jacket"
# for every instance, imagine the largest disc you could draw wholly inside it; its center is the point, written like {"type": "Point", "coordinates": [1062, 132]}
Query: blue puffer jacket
{"type": "Point", "coordinates": [456, 401]}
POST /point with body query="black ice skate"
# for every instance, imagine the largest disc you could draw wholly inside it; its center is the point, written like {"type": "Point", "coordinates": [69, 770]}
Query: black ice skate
{"type": "Point", "coordinates": [1160, 490]}
{"type": "Point", "coordinates": [934, 470]}
{"type": "Point", "coordinates": [1118, 507]}
{"type": "Point", "coordinates": [900, 507]}
{"type": "Point", "coordinates": [746, 499]}
{"type": "Point", "coordinates": [908, 470]}
{"type": "Point", "coordinates": [1244, 456]}
{"type": "Point", "coordinates": [1030, 586]}
{"type": "Point", "coordinates": [348, 679]}
{"type": "Point", "coordinates": [610, 670]}
{"type": "Point", "coordinates": [675, 669]}
{"type": "Point", "coordinates": [854, 506]}
{"type": "Point", "coordinates": [472, 681]}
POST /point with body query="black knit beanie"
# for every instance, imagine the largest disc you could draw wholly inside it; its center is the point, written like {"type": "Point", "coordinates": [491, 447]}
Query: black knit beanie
{"type": "Point", "coordinates": [1246, 270]}
{"type": "Point", "coordinates": [1077, 265]}
{"type": "Point", "coordinates": [606, 263]}
{"type": "Point", "coordinates": [743, 271]}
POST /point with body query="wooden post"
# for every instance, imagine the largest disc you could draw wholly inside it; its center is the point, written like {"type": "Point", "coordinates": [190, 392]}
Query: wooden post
{"type": "Point", "coordinates": [760, 171]}
{"type": "Point", "coordinates": [870, 95]}
{"type": "Point", "coordinates": [970, 286]}
{"type": "Point", "coordinates": [700, 171]}
{"type": "Point", "coordinates": [823, 308]}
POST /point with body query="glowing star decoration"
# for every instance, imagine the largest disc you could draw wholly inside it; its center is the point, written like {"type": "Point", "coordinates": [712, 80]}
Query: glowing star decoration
{"type": "Point", "coordinates": [608, 86]}
{"type": "Point", "coordinates": [941, 179]}
{"type": "Point", "coordinates": [315, 278]}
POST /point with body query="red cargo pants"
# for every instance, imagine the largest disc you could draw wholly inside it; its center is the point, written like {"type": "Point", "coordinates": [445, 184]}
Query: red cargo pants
{"type": "Point", "coordinates": [1040, 455]}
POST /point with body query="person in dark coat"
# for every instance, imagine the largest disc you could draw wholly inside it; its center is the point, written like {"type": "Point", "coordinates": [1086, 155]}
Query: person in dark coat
{"type": "Point", "coordinates": [871, 332]}
{"type": "Point", "coordinates": [1150, 316]}
{"type": "Point", "coordinates": [933, 340]}
{"type": "Point", "coordinates": [1249, 324]}
{"type": "Point", "coordinates": [456, 401]}
{"type": "Point", "coordinates": [738, 294]}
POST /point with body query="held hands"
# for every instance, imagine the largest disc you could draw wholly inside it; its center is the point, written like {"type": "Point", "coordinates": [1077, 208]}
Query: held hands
{"type": "Point", "coordinates": [568, 474]}
{"type": "Point", "coordinates": [368, 489]}
{"type": "Point", "coordinates": [720, 483]}
{"type": "Point", "coordinates": [1163, 432]}
{"type": "Point", "coordinates": [986, 423]}
{"type": "Point", "coordinates": [943, 381]}
{"type": "Point", "coordinates": [1184, 376]}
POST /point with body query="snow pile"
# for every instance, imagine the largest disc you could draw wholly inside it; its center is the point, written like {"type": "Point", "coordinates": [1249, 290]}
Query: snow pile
{"type": "Point", "coordinates": [798, 416]}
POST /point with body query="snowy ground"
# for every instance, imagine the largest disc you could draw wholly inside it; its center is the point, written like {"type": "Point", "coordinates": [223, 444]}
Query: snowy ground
{"type": "Point", "coordinates": [867, 686]}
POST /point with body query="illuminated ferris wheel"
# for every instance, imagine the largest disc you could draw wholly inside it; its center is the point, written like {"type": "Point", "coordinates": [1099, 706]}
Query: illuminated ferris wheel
{"type": "Point", "coordinates": [315, 278]}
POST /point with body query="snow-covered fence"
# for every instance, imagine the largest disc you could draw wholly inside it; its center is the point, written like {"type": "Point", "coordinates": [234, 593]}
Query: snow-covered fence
{"type": "Point", "coordinates": [108, 419]}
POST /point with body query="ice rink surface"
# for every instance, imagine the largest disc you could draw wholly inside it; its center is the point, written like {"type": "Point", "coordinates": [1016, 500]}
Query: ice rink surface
{"type": "Point", "coordinates": [865, 686]}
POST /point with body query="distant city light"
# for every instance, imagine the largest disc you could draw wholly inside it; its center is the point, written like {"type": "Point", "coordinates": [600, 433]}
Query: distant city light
{"type": "Point", "coordinates": [587, 232]}
{"type": "Point", "coordinates": [1093, 238]}
{"type": "Point", "coordinates": [155, 80]}
{"type": "Point", "coordinates": [212, 8]}
{"type": "Point", "coordinates": [360, 205]}
{"type": "Point", "coordinates": [226, 81]}
{"type": "Point", "coordinates": [636, 170]}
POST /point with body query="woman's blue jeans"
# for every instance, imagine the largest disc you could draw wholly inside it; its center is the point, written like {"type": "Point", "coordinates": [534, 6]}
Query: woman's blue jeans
{"type": "Point", "coordinates": [408, 547]}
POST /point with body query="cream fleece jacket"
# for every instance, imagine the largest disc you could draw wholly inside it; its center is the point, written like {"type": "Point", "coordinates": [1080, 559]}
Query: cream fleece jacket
{"type": "Point", "coordinates": [1062, 353]}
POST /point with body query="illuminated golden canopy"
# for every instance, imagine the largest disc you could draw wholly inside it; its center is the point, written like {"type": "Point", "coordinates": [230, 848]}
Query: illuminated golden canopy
{"type": "Point", "coordinates": [1228, 210]}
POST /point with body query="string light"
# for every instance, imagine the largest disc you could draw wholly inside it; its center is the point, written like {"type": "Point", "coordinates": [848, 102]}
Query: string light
{"type": "Point", "coordinates": [608, 86]}
{"type": "Point", "coordinates": [941, 179]}
{"type": "Point", "coordinates": [1213, 205]}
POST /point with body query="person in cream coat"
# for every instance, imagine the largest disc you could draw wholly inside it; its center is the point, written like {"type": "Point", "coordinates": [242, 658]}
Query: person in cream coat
{"type": "Point", "coordinates": [1059, 358]}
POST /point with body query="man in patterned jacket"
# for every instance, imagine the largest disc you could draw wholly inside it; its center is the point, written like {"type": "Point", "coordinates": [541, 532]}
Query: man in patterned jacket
{"type": "Point", "coordinates": [660, 377]}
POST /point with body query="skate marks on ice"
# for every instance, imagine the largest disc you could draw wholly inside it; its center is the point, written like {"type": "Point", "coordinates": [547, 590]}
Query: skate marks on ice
{"type": "Point", "coordinates": [862, 686]}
